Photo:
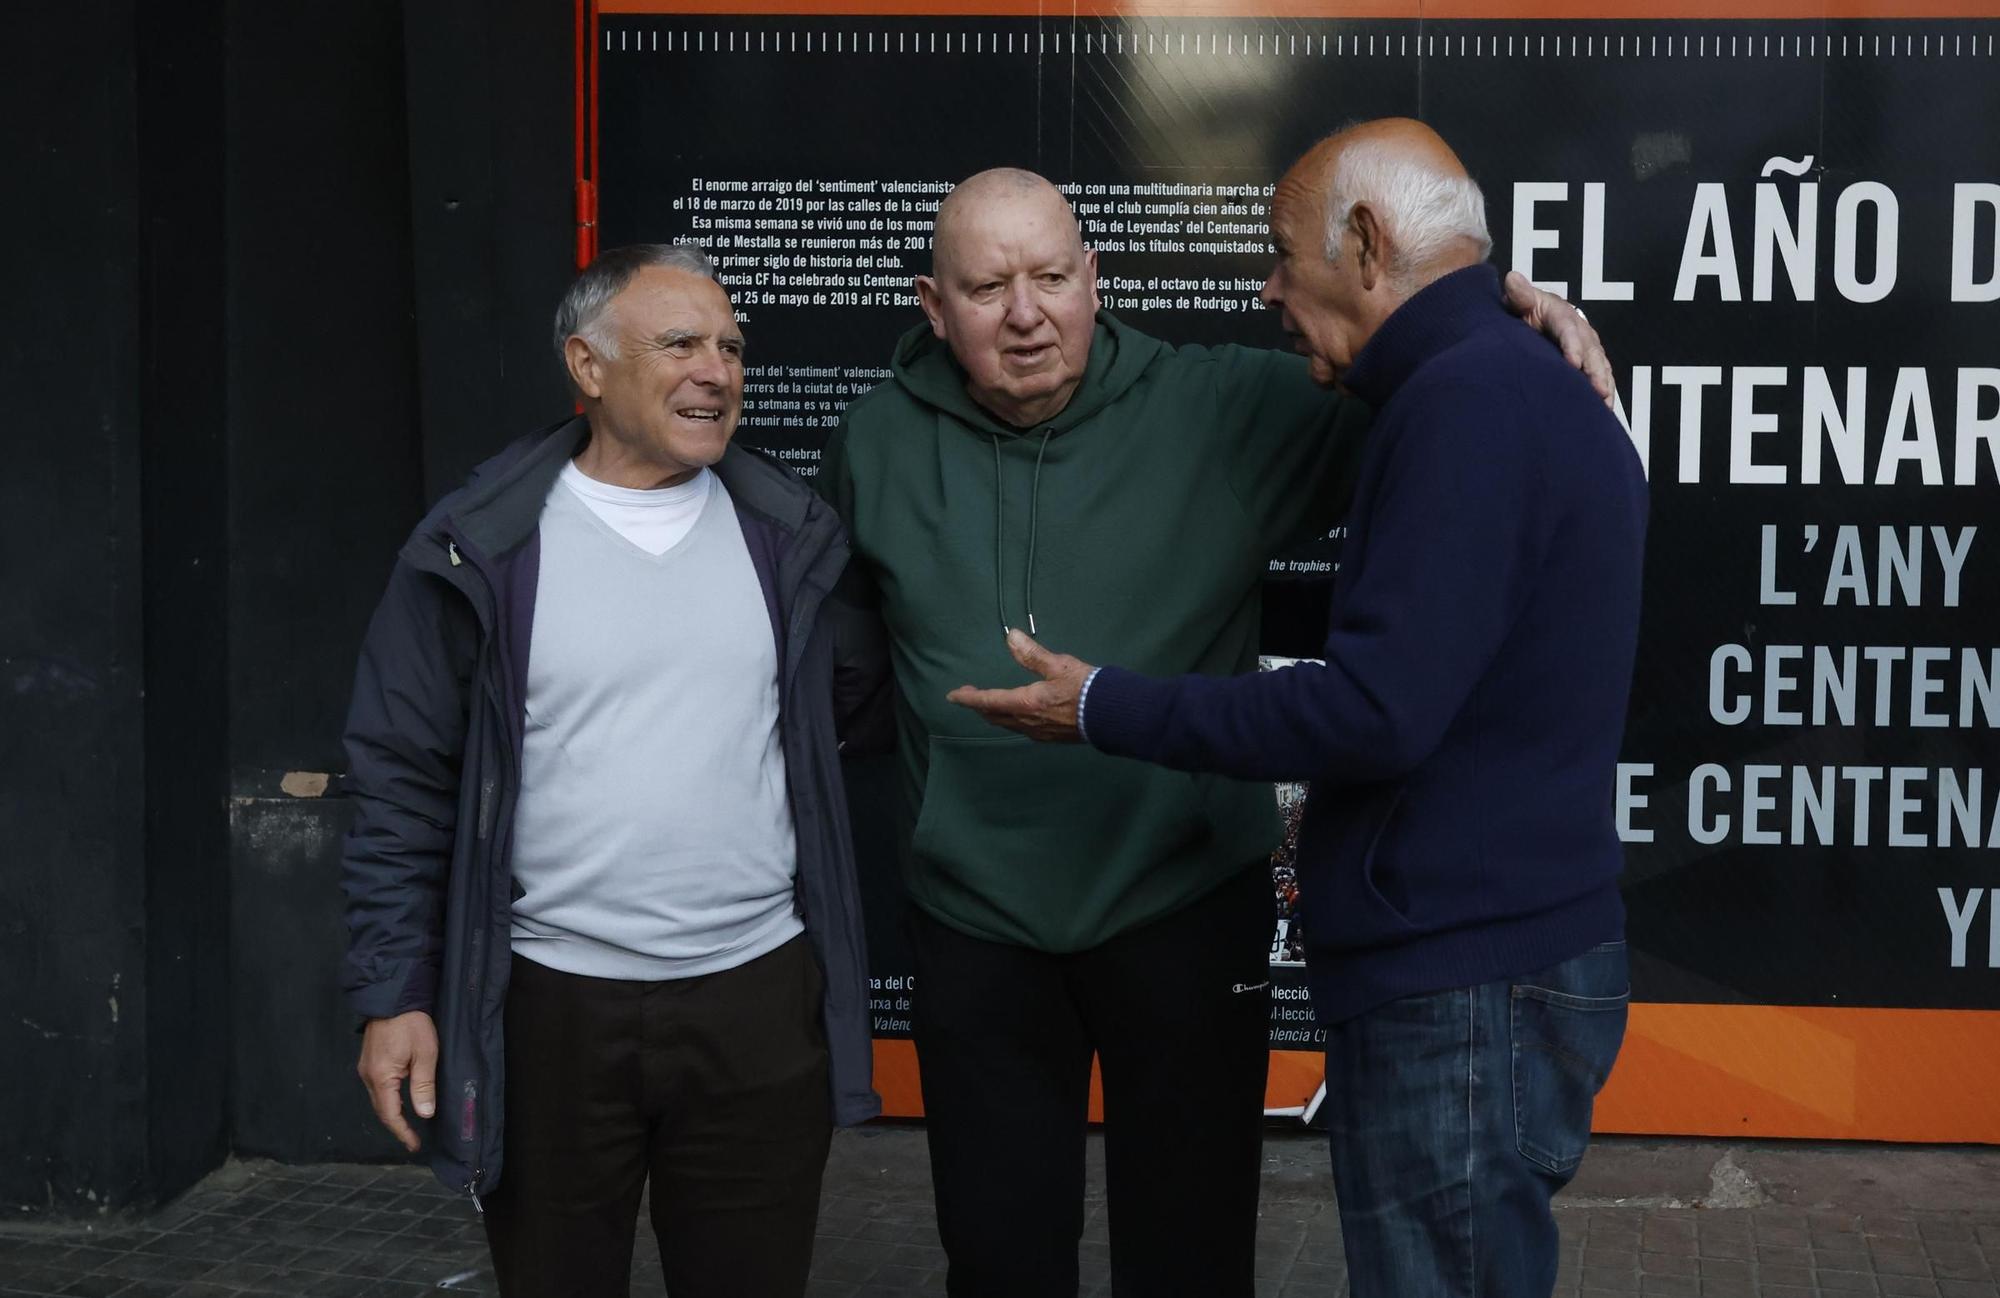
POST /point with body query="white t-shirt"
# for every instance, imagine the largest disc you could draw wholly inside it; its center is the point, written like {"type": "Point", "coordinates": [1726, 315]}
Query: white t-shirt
{"type": "Point", "coordinates": [654, 519]}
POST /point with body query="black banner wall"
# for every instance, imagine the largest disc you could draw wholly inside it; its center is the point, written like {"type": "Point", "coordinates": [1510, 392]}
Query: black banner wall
{"type": "Point", "coordinates": [1786, 231]}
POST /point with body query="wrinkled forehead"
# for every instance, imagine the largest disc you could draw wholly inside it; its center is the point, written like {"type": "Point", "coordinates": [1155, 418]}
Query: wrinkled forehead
{"type": "Point", "coordinates": [1298, 199]}
{"type": "Point", "coordinates": [659, 298]}
{"type": "Point", "coordinates": [997, 233]}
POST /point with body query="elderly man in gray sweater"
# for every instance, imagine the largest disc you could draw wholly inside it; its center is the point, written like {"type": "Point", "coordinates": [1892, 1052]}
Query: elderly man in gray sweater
{"type": "Point", "coordinates": [600, 865]}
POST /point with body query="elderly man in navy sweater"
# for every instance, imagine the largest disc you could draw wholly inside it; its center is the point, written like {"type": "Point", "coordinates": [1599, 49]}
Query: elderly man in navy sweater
{"type": "Point", "coordinates": [1458, 860]}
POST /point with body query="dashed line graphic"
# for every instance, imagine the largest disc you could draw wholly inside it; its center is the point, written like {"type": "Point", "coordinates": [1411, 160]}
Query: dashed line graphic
{"type": "Point", "coordinates": [1290, 44]}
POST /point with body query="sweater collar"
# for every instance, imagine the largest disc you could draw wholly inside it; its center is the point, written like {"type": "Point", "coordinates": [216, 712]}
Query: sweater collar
{"type": "Point", "coordinates": [1443, 312]}
{"type": "Point", "coordinates": [1119, 356]}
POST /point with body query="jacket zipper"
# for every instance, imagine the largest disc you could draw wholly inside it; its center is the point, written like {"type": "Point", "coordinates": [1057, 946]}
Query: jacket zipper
{"type": "Point", "coordinates": [467, 1131]}
{"type": "Point", "coordinates": [468, 1121]}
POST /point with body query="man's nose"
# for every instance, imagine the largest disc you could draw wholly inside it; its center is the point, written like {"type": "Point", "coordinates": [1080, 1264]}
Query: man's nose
{"type": "Point", "coordinates": [1023, 311]}
{"type": "Point", "coordinates": [710, 369]}
{"type": "Point", "coordinates": [1271, 295]}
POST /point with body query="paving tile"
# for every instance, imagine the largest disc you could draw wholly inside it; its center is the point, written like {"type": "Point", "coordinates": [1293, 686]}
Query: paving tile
{"type": "Point", "coordinates": [1728, 1289]}
{"type": "Point", "coordinates": [94, 1285]}
{"type": "Point", "coordinates": [1841, 1259]}
{"type": "Point", "coordinates": [1795, 1276]}
{"type": "Point", "coordinates": [1908, 1286]}
{"type": "Point", "coordinates": [1728, 1248]}
{"type": "Point", "coordinates": [1615, 1281]}
{"type": "Point", "coordinates": [1888, 1264]}
{"type": "Point", "coordinates": [1684, 1264]}
{"type": "Point", "coordinates": [1966, 1289]}
{"type": "Point", "coordinates": [1719, 1271]}
{"type": "Point", "coordinates": [1781, 1235]}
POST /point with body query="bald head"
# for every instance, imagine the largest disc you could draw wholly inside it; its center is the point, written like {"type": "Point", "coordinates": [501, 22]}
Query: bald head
{"type": "Point", "coordinates": [1405, 138]}
{"type": "Point", "coordinates": [1432, 215]}
{"type": "Point", "coordinates": [1362, 222]}
{"type": "Point", "coordinates": [1013, 292]}
{"type": "Point", "coordinates": [1002, 198]}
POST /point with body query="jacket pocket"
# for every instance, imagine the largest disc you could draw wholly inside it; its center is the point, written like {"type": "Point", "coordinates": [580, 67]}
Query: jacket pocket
{"type": "Point", "coordinates": [1355, 896]}
{"type": "Point", "coordinates": [1384, 889]}
{"type": "Point", "coordinates": [1568, 1022]}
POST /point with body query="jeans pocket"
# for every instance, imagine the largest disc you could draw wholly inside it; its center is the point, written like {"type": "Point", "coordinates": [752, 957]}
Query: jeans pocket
{"type": "Point", "coordinates": [1565, 1038]}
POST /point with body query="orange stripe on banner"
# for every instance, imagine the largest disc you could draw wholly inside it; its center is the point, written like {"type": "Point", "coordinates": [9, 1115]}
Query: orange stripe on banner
{"type": "Point", "coordinates": [1248, 9]}
{"type": "Point", "coordinates": [1726, 1070]}
{"type": "Point", "coordinates": [1817, 1073]}
{"type": "Point", "coordinates": [1295, 1075]}
{"type": "Point", "coordinates": [896, 1078]}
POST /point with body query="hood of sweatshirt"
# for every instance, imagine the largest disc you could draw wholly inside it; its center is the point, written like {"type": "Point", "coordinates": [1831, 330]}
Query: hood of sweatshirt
{"type": "Point", "coordinates": [924, 366]}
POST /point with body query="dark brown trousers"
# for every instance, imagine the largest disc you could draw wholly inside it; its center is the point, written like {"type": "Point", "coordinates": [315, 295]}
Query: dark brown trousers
{"type": "Point", "coordinates": [714, 1088]}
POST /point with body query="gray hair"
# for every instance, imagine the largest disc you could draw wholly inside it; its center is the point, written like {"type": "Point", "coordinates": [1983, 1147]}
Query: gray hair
{"type": "Point", "coordinates": [1424, 209]}
{"type": "Point", "coordinates": [581, 312]}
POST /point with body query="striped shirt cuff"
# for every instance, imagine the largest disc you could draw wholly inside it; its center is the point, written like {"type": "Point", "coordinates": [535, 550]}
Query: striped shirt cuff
{"type": "Point", "coordinates": [1082, 698]}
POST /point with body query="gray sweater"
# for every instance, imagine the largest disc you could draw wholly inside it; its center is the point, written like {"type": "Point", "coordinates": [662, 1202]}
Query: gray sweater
{"type": "Point", "coordinates": [654, 837]}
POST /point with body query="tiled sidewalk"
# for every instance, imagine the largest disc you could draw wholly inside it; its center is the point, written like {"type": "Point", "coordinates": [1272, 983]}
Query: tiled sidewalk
{"type": "Point", "coordinates": [1799, 1222]}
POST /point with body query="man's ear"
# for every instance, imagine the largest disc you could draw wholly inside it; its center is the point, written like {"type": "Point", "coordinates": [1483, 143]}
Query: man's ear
{"type": "Point", "coordinates": [931, 298]}
{"type": "Point", "coordinates": [1371, 248]}
{"type": "Point", "coordinates": [585, 368]}
{"type": "Point", "coordinates": [1090, 273]}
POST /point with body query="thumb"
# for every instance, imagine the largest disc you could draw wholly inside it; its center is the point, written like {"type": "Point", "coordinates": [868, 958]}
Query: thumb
{"type": "Point", "coordinates": [423, 1076]}
{"type": "Point", "coordinates": [1029, 654]}
{"type": "Point", "coordinates": [1522, 298]}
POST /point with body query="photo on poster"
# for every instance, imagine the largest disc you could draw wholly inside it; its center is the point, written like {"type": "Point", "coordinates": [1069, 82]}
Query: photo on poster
{"type": "Point", "coordinates": [1288, 944]}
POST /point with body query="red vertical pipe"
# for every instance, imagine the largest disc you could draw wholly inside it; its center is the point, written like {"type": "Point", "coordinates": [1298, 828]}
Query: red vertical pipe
{"type": "Point", "coordinates": [585, 132]}
{"type": "Point", "coordinates": [595, 45]}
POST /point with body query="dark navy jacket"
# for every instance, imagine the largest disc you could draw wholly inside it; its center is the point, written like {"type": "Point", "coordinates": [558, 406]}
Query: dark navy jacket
{"type": "Point", "coordinates": [1462, 737]}
{"type": "Point", "coordinates": [434, 762]}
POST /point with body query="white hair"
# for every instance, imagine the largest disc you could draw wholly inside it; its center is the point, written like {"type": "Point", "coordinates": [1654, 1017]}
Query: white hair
{"type": "Point", "coordinates": [1425, 210]}
{"type": "Point", "coordinates": [581, 312]}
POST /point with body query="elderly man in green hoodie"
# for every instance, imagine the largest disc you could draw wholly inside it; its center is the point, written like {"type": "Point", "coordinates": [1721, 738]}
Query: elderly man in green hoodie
{"type": "Point", "coordinates": [1035, 462]}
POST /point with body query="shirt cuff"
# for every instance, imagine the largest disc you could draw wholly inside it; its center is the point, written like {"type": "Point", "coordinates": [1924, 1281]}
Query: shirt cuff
{"type": "Point", "coordinates": [1083, 698]}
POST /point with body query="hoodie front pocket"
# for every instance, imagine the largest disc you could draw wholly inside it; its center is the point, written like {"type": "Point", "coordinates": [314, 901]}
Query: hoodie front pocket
{"type": "Point", "coordinates": [1029, 829]}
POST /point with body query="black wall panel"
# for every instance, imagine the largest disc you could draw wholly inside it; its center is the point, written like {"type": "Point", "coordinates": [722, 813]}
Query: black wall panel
{"type": "Point", "coordinates": [72, 759]}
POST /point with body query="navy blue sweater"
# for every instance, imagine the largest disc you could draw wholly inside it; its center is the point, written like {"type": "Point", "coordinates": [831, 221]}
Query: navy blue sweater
{"type": "Point", "coordinates": [1462, 737]}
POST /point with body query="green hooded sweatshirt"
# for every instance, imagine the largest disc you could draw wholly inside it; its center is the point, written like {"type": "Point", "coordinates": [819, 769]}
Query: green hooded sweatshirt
{"type": "Point", "coordinates": [1133, 528]}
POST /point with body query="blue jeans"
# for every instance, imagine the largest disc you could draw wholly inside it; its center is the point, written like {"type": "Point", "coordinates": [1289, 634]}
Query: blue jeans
{"type": "Point", "coordinates": [1456, 1115]}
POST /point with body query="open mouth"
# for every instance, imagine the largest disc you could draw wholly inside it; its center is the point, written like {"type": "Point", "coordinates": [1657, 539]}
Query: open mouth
{"type": "Point", "coordinates": [700, 415]}
{"type": "Point", "coordinates": [1028, 355]}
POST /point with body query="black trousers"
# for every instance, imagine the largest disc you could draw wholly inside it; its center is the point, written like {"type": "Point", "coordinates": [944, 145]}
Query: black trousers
{"type": "Point", "coordinates": [714, 1087]}
{"type": "Point", "coordinates": [1178, 1014]}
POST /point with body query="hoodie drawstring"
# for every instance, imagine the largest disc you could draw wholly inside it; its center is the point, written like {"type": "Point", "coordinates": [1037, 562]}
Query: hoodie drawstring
{"type": "Point", "coordinates": [1000, 530]}
{"type": "Point", "coordinates": [1034, 510]}
{"type": "Point", "coordinates": [999, 534]}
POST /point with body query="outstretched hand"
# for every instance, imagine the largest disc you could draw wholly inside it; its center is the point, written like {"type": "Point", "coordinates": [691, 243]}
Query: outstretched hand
{"type": "Point", "coordinates": [1565, 326]}
{"type": "Point", "coordinates": [1045, 710]}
